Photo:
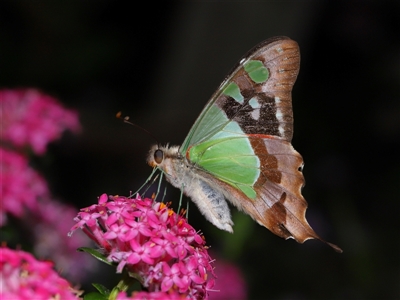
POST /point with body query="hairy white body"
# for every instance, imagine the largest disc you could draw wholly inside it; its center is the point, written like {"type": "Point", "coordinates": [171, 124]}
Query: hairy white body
{"type": "Point", "coordinates": [196, 184]}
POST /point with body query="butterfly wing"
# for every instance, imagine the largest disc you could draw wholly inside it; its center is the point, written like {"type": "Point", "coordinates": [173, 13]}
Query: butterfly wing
{"type": "Point", "coordinates": [270, 111]}
{"type": "Point", "coordinates": [242, 140]}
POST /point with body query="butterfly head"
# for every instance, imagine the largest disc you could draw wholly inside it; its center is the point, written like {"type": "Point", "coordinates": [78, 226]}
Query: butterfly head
{"type": "Point", "coordinates": [160, 156]}
{"type": "Point", "coordinates": [156, 157]}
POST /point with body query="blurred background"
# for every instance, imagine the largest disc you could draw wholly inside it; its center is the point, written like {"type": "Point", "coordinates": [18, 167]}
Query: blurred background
{"type": "Point", "coordinates": [160, 62]}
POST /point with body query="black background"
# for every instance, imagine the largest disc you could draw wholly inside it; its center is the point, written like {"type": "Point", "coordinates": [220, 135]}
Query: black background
{"type": "Point", "coordinates": [159, 63]}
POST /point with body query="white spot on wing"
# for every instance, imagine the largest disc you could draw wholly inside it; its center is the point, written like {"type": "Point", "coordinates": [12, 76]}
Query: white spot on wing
{"type": "Point", "coordinates": [281, 130]}
{"type": "Point", "coordinates": [255, 114]}
{"type": "Point", "coordinates": [277, 100]}
{"type": "Point", "coordinates": [254, 103]}
{"type": "Point", "coordinates": [279, 116]}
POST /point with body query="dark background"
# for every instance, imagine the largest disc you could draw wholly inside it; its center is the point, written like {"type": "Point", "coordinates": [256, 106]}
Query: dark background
{"type": "Point", "coordinates": [159, 63]}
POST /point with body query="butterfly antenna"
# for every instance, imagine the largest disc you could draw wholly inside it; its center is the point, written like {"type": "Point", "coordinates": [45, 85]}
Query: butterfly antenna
{"type": "Point", "coordinates": [126, 120]}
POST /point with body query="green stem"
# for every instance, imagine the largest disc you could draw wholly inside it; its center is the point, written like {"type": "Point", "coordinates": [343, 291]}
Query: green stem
{"type": "Point", "coordinates": [123, 285]}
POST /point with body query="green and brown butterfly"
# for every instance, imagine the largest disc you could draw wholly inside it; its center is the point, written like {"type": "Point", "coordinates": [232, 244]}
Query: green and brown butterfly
{"type": "Point", "coordinates": [239, 149]}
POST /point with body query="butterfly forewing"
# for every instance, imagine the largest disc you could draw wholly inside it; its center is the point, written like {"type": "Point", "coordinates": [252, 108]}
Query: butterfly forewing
{"type": "Point", "coordinates": [256, 95]}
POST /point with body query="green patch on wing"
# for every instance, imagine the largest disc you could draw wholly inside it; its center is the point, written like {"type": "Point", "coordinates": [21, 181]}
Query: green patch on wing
{"type": "Point", "coordinates": [257, 71]}
{"type": "Point", "coordinates": [233, 91]}
{"type": "Point", "coordinates": [210, 122]}
{"type": "Point", "coordinates": [230, 159]}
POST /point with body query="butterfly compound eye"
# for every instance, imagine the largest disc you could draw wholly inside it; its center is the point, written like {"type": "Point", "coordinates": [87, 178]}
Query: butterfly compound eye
{"type": "Point", "coordinates": [158, 156]}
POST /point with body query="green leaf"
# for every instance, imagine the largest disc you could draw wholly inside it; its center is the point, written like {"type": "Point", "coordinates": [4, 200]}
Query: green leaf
{"type": "Point", "coordinates": [96, 254]}
{"type": "Point", "coordinates": [95, 296]}
{"type": "Point", "coordinates": [102, 289]}
{"type": "Point", "coordinates": [115, 291]}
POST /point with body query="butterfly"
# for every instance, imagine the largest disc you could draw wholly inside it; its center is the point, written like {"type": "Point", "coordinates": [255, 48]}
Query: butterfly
{"type": "Point", "coordinates": [239, 149]}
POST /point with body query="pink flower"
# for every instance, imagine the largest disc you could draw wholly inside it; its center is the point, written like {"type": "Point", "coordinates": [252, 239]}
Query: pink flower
{"type": "Point", "coordinates": [230, 284]}
{"type": "Point", "coordinates": [24, 277]}
{"type": "Point", "coordinates": [148, 239]}
{"type": "Point", "coordinates": [49, 227]}
{"type": "Point", "coordinates": [151, 296]}
{"type": "Point", "coordinates": [20, 186]}
{"type": "Point", "coordinates": [30, 118]}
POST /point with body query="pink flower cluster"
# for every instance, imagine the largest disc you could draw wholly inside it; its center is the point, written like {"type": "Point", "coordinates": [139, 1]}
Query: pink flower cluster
{"type": "Point", "coordinates": [49, 228]}
{"type": "Point", "coordinates": [151, 296]}
{"type": "Point", "coordinates": [152, 242]}
{"type": "Point", "coordinates": [20, 186]}
{"type": "Point", "coordinates": [24, 277]}
{"type": "Point", "coordinates": [30, 118]}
